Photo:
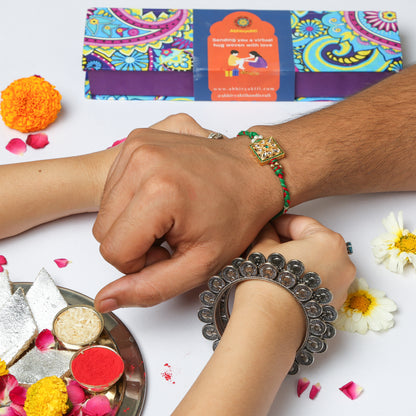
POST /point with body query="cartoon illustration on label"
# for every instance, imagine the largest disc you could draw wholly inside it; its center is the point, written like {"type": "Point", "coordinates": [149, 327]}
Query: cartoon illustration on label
{"type": "Point", "coordinates": [256, 60]}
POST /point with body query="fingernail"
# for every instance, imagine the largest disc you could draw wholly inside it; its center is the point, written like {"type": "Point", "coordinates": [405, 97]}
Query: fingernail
{"type": "Point", "coordinates": [107, 305]}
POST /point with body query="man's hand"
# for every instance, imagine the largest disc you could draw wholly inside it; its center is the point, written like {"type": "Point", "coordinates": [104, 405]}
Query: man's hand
{"type": "Point", "coordinates": [206, 198]}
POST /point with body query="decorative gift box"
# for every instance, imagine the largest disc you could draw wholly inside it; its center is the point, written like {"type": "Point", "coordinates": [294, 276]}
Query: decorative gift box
{"type": "Point", "coordinates": [237, 55]}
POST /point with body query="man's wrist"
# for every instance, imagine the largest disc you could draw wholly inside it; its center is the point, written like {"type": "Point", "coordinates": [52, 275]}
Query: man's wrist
{"type": "Point", "coordinates": [277, 174]}
{"type": "Point", "coordinates": [303, 173]}
{"type": "Point", "coordinates": [260, 180]}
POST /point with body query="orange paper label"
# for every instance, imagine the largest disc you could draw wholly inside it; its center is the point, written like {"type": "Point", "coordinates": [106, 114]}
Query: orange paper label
{"type": "Point", "coordinates": [243, 59]}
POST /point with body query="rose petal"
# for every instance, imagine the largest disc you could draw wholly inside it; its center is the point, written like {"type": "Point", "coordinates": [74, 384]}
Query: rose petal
{"type": "Point", "coordinates": [97, 406]}
{"type": "Point", "coordinates": [8, 382]}
{"type": "Point", "coordinates": [76, 393]}
{"type": "Point", "coordinates": [3, 261]}
{"type": "Point", "coordinates": [18, 410]}
{"type": "Point", "coordinates": [351, 390]}
{"type": "Point", "coordinates": [12, 410]}
{"type": "Point", "coordinates": [45, 340]}
{"type": "Point", "coordinates": [16, 146]}
{"type": "Point", "coordinates": [18, 395]}
{"type": "Point", "coordinates": [75, 411]}
{"type": "Point", "coordinates": [303, 384]}
{"type": "Point", "coordinates": [7, 411]}
{"type": "Point", "coordinates": [37, 141]}
{"type": "Point", "coordinates": [61, 262]}
{"type": "Point", "coordinates": [316, 388]}
{"type": "Point", "coordinates": [117, 142]}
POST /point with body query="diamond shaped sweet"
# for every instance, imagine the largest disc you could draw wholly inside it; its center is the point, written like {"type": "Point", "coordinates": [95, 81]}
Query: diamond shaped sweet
{"type": "Point", "coordinates": [17, 327]}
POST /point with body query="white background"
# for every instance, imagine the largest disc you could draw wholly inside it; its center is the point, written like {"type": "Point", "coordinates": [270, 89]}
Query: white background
{"type": "Point", "coordinates": [45, 38]}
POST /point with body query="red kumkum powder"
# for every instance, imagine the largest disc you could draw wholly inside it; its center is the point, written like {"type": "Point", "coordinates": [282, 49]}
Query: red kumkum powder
{"type": "Point", "coordinates": [97, 366]}
{"type": "Point", "coordinates": [167, 374]}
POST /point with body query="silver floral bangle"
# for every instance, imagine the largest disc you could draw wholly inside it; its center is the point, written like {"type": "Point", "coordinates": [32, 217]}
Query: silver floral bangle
{"type": "Point", "coordinates": [313, 299]}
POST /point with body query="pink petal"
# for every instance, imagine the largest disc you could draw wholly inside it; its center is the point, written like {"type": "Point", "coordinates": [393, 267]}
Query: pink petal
{"type": "Point", "coordinates": [303, 384]}
{"type": "Point", "coordinates": [17, 410]}
{"type": "Point", "coordinates": [37, 141]}
{"type": "Point", "coordinates": [351, 390]}
{"type": "Point", "coordinates": [97, 406]}
{"type": "Point", "coordinates": [117, 142]}
{"type": "Point", "coordinates": [76, 393]}
{"type": "Point", "coordinates": [16, 146]}
{"type": "Point", "coordinates": [3, 261]}
{"type": "Point", "coordinates": [61, 262]}
{"type": "Point", "coordinates": [7, 384]}
{"type": "Point", "coordinates": [316, 388]}
{"type": "Point", "coordinates": [45, 340]}
{"type": "Point", "coordinates": [75, 411]}
{"type": "Point", "coordinates": [7, 411]}
{"type": "Point", "coordinates": [12, 410]}
{"type": "Point", "coordinates": [18, 395]}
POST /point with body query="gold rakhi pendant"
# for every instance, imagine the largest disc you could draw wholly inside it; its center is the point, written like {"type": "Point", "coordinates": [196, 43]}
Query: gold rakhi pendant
{"type": "Point", "coordinates": [266, 149]}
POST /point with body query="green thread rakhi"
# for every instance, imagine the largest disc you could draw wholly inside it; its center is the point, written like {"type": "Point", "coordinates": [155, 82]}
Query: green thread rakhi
{"type": "Point", "coordinates": [267, 150]}
{"type": "Point", "coordinates": [278, 170]}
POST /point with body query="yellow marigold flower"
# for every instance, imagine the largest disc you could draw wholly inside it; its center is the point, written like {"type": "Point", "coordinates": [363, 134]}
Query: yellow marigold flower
{"type": "Point", "coordinates": [3, 368]}
{"type": "Point", "coordinates": [47, 397]}
{"type": "Point", "coordinates": [30, 104]}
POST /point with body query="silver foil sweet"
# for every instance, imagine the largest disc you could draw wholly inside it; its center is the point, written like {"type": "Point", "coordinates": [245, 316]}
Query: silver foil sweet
{"type": "Point", "coordinates": [17, 327]}
{"type": "Point", "coordinates": [36, 365]}
{"type": "Point", "coordinates": [5, 287]}
{"type": "Point", "coordinates": [45, 300]}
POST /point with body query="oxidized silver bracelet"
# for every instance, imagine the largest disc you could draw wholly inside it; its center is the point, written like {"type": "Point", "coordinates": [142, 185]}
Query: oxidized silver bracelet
{"type": "Point", "coordinates": [313, 299]}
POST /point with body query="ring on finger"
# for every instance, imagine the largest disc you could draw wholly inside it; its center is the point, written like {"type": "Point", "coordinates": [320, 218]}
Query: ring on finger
{"type": "Point", "coordinates": [216, 136]}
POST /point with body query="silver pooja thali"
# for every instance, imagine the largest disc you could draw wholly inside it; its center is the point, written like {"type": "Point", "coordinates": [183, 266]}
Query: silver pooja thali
{"type": "Point", "coordinates": [128, 394]}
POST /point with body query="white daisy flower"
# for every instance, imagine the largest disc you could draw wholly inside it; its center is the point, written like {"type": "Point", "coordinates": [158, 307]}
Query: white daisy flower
{"type": "Point", "coordinates": [365, 309]}
{"type": "Point", "coordinates": [397, 247]}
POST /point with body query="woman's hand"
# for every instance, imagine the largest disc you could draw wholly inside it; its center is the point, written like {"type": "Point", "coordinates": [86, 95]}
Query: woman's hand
{"type": "Point", "coordinates": [320, 249]}
{"type": "Point", "coordinates": [267, 325]}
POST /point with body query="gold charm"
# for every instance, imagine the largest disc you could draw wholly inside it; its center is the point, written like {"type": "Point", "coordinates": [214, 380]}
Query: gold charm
{"type": "Point", "coordinates": [266, 149]}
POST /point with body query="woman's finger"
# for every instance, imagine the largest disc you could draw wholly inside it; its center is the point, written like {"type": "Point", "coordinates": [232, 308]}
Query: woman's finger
{"type": "Point", "coordinates": [181, 124]}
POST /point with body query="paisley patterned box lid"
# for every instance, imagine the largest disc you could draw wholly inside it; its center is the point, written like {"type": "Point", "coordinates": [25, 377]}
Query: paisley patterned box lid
{"type": "Point", "coordinates": [157, 53]}
{"type": "Point", "coordinates": [343, 51]}
{"type": "Point", "coordinates": [139, 40]}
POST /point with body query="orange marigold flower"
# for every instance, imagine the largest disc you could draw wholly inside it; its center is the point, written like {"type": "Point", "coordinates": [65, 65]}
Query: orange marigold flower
{"type": "Point", "coordinates": [30, 104]}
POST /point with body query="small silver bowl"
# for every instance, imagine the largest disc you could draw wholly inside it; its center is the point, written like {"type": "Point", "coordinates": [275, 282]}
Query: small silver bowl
{"type": "Point", "coordinates": [115, 371]}
{"type": "Point", "coordinates": [77, 326]}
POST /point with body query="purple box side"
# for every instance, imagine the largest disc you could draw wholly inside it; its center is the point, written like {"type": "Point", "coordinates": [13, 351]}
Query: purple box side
{"type": "Point", "coordinates": [170, 83]}
{"type": "Point", "coordinates": [335, 84]}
